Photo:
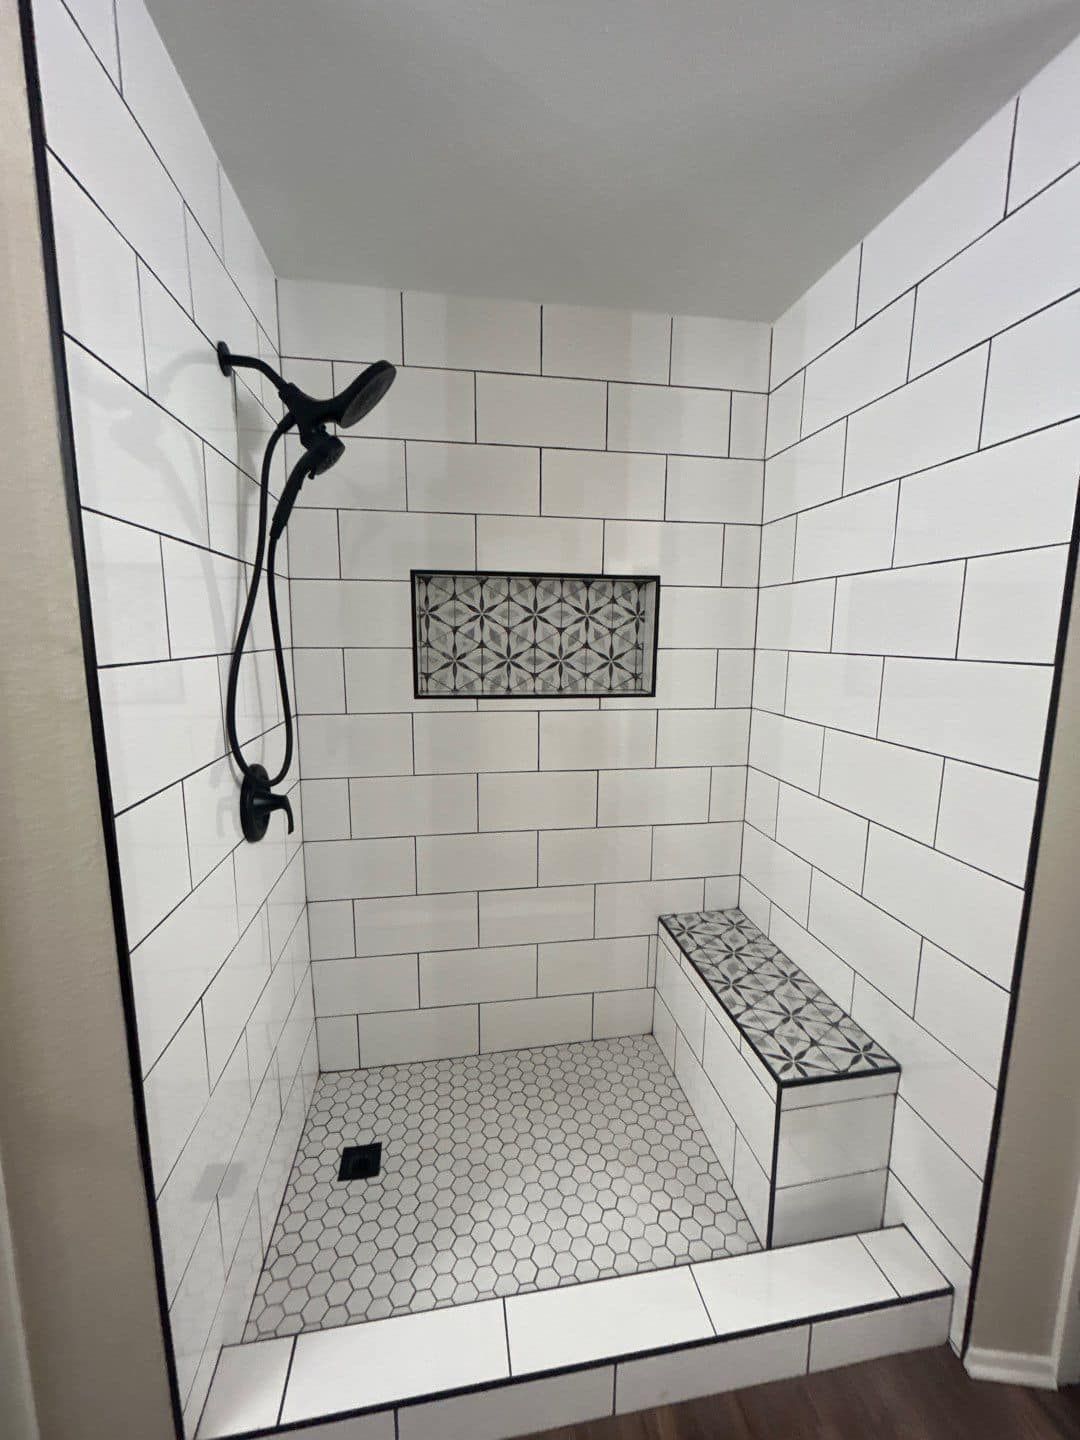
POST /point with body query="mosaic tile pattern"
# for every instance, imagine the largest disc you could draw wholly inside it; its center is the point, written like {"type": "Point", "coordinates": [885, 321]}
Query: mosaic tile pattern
{"type": "Point", "coordinates": [501, 1173]}
{"type": "Point", "coordinates": [528, 635]}
{"type": "Point", "coordinates": [798, 1032]}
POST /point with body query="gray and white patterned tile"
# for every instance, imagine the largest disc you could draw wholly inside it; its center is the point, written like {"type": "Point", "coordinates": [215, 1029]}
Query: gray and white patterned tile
{"type": "Point", "coordinates": [503, 1173]}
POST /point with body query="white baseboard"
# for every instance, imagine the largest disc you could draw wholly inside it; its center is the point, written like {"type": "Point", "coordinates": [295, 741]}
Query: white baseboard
{"type": "Point", "coordinates": [1011, 1367]}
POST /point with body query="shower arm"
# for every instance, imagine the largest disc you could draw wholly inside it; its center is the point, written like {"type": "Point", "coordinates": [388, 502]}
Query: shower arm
{"type": "Point", "coordinates": [300, 406]}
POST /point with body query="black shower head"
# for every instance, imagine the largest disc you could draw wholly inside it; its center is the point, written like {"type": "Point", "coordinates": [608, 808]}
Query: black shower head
{"type": "Point", "coordinates": [346, 408]}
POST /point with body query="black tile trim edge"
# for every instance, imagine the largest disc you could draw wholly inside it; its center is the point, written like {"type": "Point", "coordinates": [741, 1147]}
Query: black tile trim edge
{"type": "Point", "coordinates": [66, 437]}
{"type": "Point", "coordinates": [1025, 920]}
{"type": "Point", "coordinates": [601, 1363]}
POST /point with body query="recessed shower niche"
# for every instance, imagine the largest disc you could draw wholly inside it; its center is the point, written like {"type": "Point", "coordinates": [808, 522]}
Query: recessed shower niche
{"type": "Point", "coordinates": [534, 636]}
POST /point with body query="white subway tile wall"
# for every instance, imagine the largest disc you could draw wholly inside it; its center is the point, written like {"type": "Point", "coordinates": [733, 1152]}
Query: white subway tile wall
{"type": "Point", "coordinates": [919, 495]}
{"type": "Point", "coordinates": [523, 849]}
{"type": "Point", "coordinates": [157, 262]}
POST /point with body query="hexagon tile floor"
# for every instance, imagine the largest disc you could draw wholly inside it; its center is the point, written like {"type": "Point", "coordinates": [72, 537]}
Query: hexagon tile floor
{"type": "Point", "coordinates": [502, 1173]}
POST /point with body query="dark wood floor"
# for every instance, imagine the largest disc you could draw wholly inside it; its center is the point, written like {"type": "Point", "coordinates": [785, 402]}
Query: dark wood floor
{"type": "Point", "coordinates": [925, 1396]}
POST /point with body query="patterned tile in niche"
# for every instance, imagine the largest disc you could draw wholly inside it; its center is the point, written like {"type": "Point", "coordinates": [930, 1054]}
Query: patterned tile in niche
{"type": "Point", "coordinates": [793, 1025]}
{"type": "Point", "coordinates": [526, 635]}
{"type": "Point", "coordinates": [502, 1173]}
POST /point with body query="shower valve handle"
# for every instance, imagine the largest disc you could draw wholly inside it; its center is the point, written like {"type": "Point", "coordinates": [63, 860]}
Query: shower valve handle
{"type": "Point", "coordinates": [258, 802]}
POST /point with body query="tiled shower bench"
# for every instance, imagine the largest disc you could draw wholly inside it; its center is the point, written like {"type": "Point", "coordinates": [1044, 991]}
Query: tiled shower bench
{"type": "Point", "coordinates": [795, 1097]}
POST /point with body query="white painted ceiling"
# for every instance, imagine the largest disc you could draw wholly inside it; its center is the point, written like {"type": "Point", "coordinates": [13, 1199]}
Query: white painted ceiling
{"type": "Point", "coordinates": [701, 156]}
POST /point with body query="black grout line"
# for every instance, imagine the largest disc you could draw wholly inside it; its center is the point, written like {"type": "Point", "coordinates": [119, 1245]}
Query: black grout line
{"type": "Point", "coordinates": [1012, 155]}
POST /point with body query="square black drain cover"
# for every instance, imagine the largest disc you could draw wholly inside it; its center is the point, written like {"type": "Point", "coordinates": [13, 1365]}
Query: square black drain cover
{"type": "Point", "coordinates": [360, 1162]}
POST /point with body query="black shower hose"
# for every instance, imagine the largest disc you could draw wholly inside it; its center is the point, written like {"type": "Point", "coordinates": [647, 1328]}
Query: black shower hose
{"type": "Point", "coordinates": [297, 476]}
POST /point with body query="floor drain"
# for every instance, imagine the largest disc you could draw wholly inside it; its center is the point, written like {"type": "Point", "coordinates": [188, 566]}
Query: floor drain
{"type": "Point", "coordinates": [360, 1162]}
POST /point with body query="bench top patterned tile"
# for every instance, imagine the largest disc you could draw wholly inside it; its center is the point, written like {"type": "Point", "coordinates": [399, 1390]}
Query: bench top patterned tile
{"type": "Point", "coordinates": [794, 1028]}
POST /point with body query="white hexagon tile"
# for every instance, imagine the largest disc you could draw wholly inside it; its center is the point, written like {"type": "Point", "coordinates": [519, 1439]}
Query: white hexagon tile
{"type": "Point", "coordinates": [501, 1173]}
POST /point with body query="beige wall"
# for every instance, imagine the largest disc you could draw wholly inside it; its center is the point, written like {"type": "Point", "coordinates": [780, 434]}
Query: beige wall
{"type": "Point", "coordinates": [75, 1195]}
{"type": "Point", "coordinates": [1035, 1181]}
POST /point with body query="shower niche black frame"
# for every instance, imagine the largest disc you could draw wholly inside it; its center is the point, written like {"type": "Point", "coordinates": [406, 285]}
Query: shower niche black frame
{"type": "Point", "coordinates": [545, 663]}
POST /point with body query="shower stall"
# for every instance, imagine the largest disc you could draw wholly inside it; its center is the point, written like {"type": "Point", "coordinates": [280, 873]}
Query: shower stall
{"type": "Point", "coordinates": [605, 1000]}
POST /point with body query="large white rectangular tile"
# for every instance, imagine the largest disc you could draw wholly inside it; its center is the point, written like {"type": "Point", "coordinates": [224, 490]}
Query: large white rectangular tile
{"type": "Point", "coordinates": [386, 545]}
{"type": "Point", "coordinates": [501, 972]}
{"type": "Point", "coordinates": [154, 476]}
{"type": "Point", "coordinates": [778, 552]}
{"type": "Point", "coordinates": [464, 333]}
{"type": "Point", "coordinates": [906, 1264]}
{"type": "Point", "coordinates": [577, 965]}
{"type": "Point", "coordinates": [362, 1365]}
{"type": "Point", "coordinates": [739, 1080]}
{"type": "Point", "coordinates": [854, 533]}
{"type": "Point", "coordinates": [986, 819]}
{"type": "Point", "coordinates": [1012, 606]}
{"type": "Point", "coordinates": [847, 1137]}
{"type": "Point", "coordinates": [867, 363]}
{"type": "Point", "coordinates": [684, 554]}
{"type": "Point", "coordinates": [602, 739]}
{"type": "Point", "coordinates": [521, 1409]}
{"type": "Point", "coordinates": [405, 1036]}
{"type": "Point", "coordinates": [871, 942]}
{"type": "Point", "coordinates": [351, 869]}
{"type": "Point", "coordinates": [712, 1369]}
{"type": "Point", "coordinates": [783, 419]}
{"type": "Point", "coordinates": [342, 322]}
{"type": "Point", "coordinates": [853, 1339]}
{"type": "Point", "coordinates": [611, 1317]}
{"type": "Point", "coordinates": [1034, 373]}
{"type": "Point", "coordinates": [248, 1385]}
{"type": "Point", "coordinates": [796, 617]}
{"type": "Point", "coordinates": [784, 878]}
{"type": "Point", "coordinates": [900, 612]}
{"type": "Point", "coordinates": [667, 419]}
{"type": "Point", "coordinates": [521, 917]}
{"type": "Point", "coordinates": [127, 595]}
{"type": "Point", "coordinates": [344, 745]}
{"type": "Point", "coordinates": [496, 861]}
{"type": "Point", "coordinates": [702, 737]}
{"type": "Point", "coordinates": [990, 714]}
{"type": "Point", "coordinates": [682, 1001]}
{"type": "Point", "coordinates": [692, 617]}
{"type": "Point", "coordinates": [154, 873]}
{"type": "Point", "coordinates": [90, 128]}
{"type": "Point", "coordinates": [448, 743]}
{"type": "Point", "coordinates": [963, 1010]}
{"type": "Point", "coordinates": [588, 483]}
{"type": "Point", "coordinates": [1011, 497]}
{"type": "Point", "coordinates": [632, 908]}
{"type": "Point", "coordinates": [807, 474]}
{"type": "Point", "coordinates": [688, 850]}
{"type": "Point", "coordinates": [710, 1112]}
{"type": "Point", "coordinates": [623, 1012]}
{"type": "Point", "coordinates": [924, 423]}
{"type": "Point", "coordinates": [545, 800]}
{"type": "Point", "coordinates": [704, 489]}
{"type": "Point", "coordinates": [749, 420]}
{"type": "Point", "coordinates": [1047, 130]}
{"type": "Point", "coordinates": [203, 592]}
{"type": "Point", "coordinates": [409, 924]}
{"type": "Point", "coordinates": [370, 475]}
{"type": "Point", "coordinates": [954, 1100]}
{"type": "Point", "coordinates": [500, 479]}
{"type": "Point", "coordinates": [549, 1020]}
{"type": "Point", "coordinates": [962, 198]}
{"type": "Point", "coordinates": [599, 344]}
{"type": "Point", "coordinates": [832, 839]}
{"type": "Point", "coordinates": [176, 1090]}
{"type": "Point", "coordinates": [99, 288]}
{"type": "Point", "coordinates": [688, 679]}
{"type": "Point", "coordinates": [937, 1178]}
{"type": "Point", "coordinates": [817, 319]}
{"type": "Point", "coordinates": [653, 797]}
{"type": "Point", "coordinates": [889, 783]}
{"type": "Point", "coordinates": [743, 1292]}
{"type": "Point", "coordinates": [787, 749]}
{"type": "Point", "coordinates": [840, 690]}
{"type": "Point", "coordinates": [1018, 267]}
{"type": "Point", "coordinates": [371, 983]}
{"type": "Point", "coordinates": [380, 681]}
{"type": "Point", "coordinates": [839, 1205]}
{"type": "Point", "coordinates": [528, 410]}
{"type": "Point", "coordinates": [97, 21]}
{"type": "Point", "coordinates": [413, 805]}
{"type": "Point", "coordinates": [183, 374]}
{"type": "Point", "coordinates": [231, 996]}
{"type": "Point", "coordinates": [615, 853]}
{"type": "Point", "coordinates": [544, 544]}
{"type": "Point", "coordinates": [326, 809]}
{"type": "Point", "coordinates": [722, 354]}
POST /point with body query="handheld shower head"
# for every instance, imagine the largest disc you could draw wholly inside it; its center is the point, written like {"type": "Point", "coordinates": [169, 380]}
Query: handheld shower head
{"type": "Point", "coordinates": [309, 415]}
